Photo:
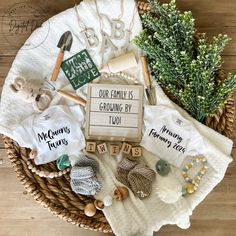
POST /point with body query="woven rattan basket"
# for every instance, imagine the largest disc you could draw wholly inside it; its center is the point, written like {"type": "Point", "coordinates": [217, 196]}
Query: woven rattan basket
{"type": "Point", "coordinates": [56, 194]}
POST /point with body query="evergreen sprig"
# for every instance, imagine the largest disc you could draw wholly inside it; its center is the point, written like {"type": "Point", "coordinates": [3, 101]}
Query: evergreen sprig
{"type": "Point", "coordinates": [185, 69]}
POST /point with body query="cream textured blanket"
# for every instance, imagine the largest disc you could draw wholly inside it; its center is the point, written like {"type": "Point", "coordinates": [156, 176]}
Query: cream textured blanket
{"type": "Point", "coordinates": [133, 216]}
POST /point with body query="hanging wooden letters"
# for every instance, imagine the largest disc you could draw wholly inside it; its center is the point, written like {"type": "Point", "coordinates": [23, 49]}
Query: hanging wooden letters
{"type": "Point", "coordinates": [91, 40]}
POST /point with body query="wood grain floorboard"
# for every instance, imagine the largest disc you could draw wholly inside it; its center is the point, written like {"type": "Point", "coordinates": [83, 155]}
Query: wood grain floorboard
{"type": "Point", "coordinates": [20, 215]}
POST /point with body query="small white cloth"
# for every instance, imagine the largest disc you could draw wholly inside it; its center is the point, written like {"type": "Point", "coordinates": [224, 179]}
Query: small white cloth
{"type": "Point", "coordinates": [54, 132]}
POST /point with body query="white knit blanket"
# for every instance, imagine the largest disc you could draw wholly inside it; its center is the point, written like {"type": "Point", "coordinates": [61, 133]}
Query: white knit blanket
{"type": "Point", "coordinates": [133, 216]}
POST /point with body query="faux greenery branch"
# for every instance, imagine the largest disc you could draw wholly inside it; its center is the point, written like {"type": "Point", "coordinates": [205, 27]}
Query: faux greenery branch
{"type": "Point", "coordinates": [184, 68]}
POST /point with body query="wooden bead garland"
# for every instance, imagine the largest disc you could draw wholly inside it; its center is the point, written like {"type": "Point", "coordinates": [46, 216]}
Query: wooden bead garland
{"type": "Point", "coordinates": [122, 75]}
{"type": "Point", "coordinates": [47, 174]}
{"type": "Point", "coordinates": [193, 184]}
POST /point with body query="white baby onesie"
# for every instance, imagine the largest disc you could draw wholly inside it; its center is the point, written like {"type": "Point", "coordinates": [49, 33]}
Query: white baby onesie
{"type": "Point", "coordinates": [170, 136]}
{"type": "Point", "coordinates": [52, 133]}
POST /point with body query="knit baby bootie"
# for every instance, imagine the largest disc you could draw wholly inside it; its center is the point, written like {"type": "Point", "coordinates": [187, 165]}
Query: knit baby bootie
{"type": "Point", "coordinates": [84, 181]}
{"type": "Point", "coordinates": [83, 176]}
{"type": "Point", "coordinates": [86, 161]}
{"type": "Point", "coordinates": [123, 169]}
{"type": "Point", "coordinates": [140, 179]}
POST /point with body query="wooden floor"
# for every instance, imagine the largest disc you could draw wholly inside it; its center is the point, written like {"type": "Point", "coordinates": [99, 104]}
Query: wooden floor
{"type": "Point", "coordinates": [21, 216]}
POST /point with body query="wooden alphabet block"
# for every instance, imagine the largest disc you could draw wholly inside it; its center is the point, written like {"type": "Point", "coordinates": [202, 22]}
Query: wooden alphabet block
{"type": "Point", "coordinates": [126, 148]}
{"type": "Point", "coordinates": [90, 146]}
{"type": "Point", "coordinates": [136, 151]}
{"type": "Point", "coordinates": [114, 149]}
{"type": "Point", "coordinates": [102, 148]}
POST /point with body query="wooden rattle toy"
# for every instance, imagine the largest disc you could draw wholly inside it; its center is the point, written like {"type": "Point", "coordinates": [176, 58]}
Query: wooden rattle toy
{"type": "Point", "coordinates": [30, 95]}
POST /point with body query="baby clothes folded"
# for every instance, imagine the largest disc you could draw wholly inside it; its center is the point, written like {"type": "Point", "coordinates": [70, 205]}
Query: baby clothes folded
{"type": "Point", "coordinates": [137, 177]}
{"type": "Point", "coordinates": [83, 176]}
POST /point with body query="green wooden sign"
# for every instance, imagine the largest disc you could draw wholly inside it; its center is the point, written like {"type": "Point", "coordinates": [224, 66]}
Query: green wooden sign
{"type": "Point", "coordinates": [80, 69]}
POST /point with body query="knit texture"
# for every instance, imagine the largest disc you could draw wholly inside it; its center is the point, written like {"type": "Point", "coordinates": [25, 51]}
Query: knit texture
{"type": "Point", "coordinates": [137, 177]}
{"type": "Point", "coordinates": [83, 176]}
{"type": "Point", "coordinates": [140, 179]}
{"type": "Point", "coordinates": [123, 169]}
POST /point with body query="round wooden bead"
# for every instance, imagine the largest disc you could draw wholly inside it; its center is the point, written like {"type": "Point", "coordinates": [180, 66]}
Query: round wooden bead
{"type": "Point", "coordinates": [121, 193]}
{"type": "Point", "coordinates": [41, 174]}
{"type": "Point", "coordinates": [60, 173]}
{"type": "Point", "coordinates": [90, 210]}
{"type": "Point", "coordinates": [51, 175]}
{"type": "Point", "coordinates": [190, 188]}
{"type": "Point", "coordinates": [99, 204]}
{"type": "Point", "coordinates": [46, 173]}
{"type": "Point", "coordinates": [33, 154]}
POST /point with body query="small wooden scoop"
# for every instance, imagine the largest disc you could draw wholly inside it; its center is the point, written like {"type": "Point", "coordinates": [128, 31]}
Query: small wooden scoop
{"type": "Point", "coordinates": [64, 44]}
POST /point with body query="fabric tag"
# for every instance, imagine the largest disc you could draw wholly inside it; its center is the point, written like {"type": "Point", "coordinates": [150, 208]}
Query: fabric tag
{"type": "Point", "coordinates": [169, 135]}
{"type": "Point", "coordinates": [80, 69]}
